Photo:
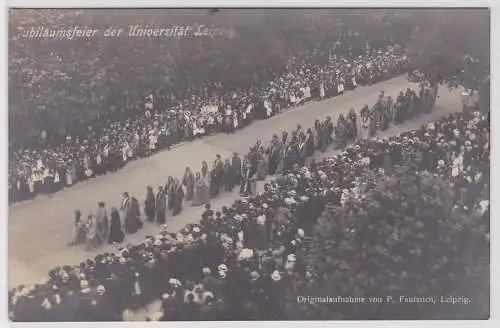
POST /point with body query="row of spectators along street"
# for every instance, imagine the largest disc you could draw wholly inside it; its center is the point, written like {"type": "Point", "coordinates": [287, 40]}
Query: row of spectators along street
{"type": "Point", "coordinates": [55, 163]}
{"type": "Point", "coordinates": [240, 260]}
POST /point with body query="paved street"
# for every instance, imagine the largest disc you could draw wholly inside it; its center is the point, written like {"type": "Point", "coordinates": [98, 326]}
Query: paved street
{"type": "Point", "coordinates": [39, 230]}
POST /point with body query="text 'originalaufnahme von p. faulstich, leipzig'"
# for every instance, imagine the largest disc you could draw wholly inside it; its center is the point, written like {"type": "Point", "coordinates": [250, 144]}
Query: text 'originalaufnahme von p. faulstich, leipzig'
{"type": "Point", "coordinates": [135, 30]}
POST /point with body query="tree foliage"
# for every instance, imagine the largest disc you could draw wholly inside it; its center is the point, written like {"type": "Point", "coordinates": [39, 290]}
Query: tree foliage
{"type": "Point", "coordinates": [451, 45]}
{"type": "Point", "coordinates": [403, 238]}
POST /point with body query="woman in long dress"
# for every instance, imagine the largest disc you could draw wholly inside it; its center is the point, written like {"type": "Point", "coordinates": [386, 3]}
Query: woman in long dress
{"type": "Point", "coordinates": [79, 232]}
{"type": "Point", "coordinates": [92, 238]}
{"type": "Point", "coordinates": [116, 234]}
{"type": "Point", "coordinates": [201, 195]}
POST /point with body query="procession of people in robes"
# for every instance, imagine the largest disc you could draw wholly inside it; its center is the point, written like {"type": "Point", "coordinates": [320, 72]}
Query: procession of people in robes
{"type": "Point", "coordinates": [280, 155]}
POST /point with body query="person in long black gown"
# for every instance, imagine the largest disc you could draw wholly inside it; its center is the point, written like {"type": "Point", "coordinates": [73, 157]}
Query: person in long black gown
{"type": "Point", "coordinates": [116, 234]}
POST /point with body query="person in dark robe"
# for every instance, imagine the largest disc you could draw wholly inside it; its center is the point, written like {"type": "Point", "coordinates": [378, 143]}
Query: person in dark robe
{"type": "Point", "coordinates": [137, 208]}
{"type": "Point", "coordinates": [283, 154]}
{"type": "Point", "coordinates": [188, 181]}
{"type": "Point", "coordinates": [323, 137]}
{"type": "Point", "coordinates": [102, 223]}
{"type": "Point", "coordinates": [161, 205]}
{"type": "Point", "coordinates": [116, 234]}
{"type": "Point", "coordinates": [246, 179]}
{"type": "Point", "coordinates": [219, 169]}
{"type": "Point", "coordinates": [149, 204]}
{"type": "Point", "coordinates": [79, 232]}
{"type": "Point", "coordinates": [353, 124]}
{"type": "Point", "coordinates": [309, 143]}
{"type": "Point", "coordinates": [132, 221]}
{"type": "Point", "coordinates": [375, 120]}
{"type": "Point", "coordinates": [329, 129]}
{"type": "Point", "coordinates": [178, 196]}
{"type": "Point", "coordinates": [261, 164]}
{"type": "Point", "coordinates": [236, 168]}
{"type": "Point", "coordinates": [318, 134]}
{"type": "Point", "coordinates": [201, 192]}
{"type": "Point", "coordinates": [229, 177]}
{"type": "Point", "coordinates": [170, 192]}
{"type": "Point", "coordinates": [341, 132]}
{"type": "Point", "coordinates": [274, 153]}
{"type": "Point", "coordinates": [399, 108]}
{"type": "Point", "coordinates": [214, 185]}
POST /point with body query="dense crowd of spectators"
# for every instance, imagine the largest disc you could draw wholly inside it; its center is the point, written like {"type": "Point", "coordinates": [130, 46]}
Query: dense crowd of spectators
{"type": "Point", "coordinates": [165, 120]}
{"type": "Point", "coordinates": [238, 262]}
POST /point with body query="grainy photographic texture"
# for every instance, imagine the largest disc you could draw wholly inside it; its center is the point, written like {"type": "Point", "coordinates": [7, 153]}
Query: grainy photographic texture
{"type": "Point", "coordinates": [248, 164]}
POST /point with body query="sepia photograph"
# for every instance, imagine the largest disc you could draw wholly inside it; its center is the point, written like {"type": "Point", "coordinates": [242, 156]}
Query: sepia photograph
{"type": "Point", "coordinates": [248, 164]}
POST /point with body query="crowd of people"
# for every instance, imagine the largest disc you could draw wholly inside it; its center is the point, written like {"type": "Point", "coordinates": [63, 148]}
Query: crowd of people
{"type": "Point", "coordinates": [166, 120]}
{"type": "Point", "coordinates": [238, 261]}
{"type": "Point", "coordinates": [278, 156]}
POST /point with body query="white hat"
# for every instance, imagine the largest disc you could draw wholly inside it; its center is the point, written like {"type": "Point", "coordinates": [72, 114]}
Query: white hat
{"type": "Point", "coordinates": [208, 294]}
{"type": "Point", "coordinates": [276, 276]}
{"type": "Point", "coordinates": [254, 275]}
{"type": "Point", "coordinates": [101, 289]}
{"type": "Point", "coordinates": [174, 282]}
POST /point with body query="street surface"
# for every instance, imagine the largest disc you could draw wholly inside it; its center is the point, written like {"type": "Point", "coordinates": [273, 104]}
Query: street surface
{"type": "Point", "coordinates": [40, 229]}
